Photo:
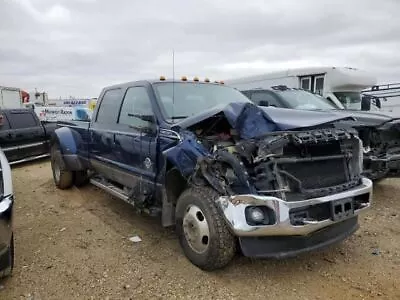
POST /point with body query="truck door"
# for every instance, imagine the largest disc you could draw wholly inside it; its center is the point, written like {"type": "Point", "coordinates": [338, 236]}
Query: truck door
{"type": "Point", "coordinates": [136, 141]}
{"type": "Point", "coordinates": [101, 134]}
{"type": "Point", "coordinates": [25, 136]}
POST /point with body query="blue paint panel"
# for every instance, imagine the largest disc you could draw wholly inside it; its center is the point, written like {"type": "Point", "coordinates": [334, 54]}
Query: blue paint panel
{"type": "Point", "coordinates": [66, 140]}
{"type": "Point", "coordinates": [184, 155]}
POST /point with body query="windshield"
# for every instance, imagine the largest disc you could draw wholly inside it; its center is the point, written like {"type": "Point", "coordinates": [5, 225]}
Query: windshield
{"type": "Point", "coordinates": [298, 99]}
{"type": "Point", "coordinates": [350, 100]}
{"type": "Point", "coordinates": [192, 98]}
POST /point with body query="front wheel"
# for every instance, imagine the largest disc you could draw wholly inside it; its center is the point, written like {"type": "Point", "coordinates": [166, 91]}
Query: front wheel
{"type": "Point", "coordinates": [62, 177]}
{"type": "Point", "coordinates": [203, 233]}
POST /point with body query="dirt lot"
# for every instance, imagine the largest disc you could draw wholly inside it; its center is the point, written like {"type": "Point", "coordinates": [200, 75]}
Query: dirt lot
{"type": "Point", "coordinates": [74, 245]}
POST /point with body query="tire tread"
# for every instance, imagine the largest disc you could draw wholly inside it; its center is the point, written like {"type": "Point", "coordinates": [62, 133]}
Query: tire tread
{"type": "Point", "coordinates": [221, 255]}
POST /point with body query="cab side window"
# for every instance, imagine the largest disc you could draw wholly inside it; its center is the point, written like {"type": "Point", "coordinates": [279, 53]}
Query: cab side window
{"type": "Point", "coordinates": [136, 110]}
{"type": "Point", "coordinates": [109, 106]}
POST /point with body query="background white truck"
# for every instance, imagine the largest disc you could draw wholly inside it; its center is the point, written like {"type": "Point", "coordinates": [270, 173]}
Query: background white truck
{"type": "Point", "coordinates": [341, 85]}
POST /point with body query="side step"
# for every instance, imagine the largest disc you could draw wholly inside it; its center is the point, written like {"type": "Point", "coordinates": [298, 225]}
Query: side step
{"type": "Point", "coordinates": [29, 159]}
{"type": "Point", "coordinates": [121, 194]}
{"type": "Point", "coordinates": [111, 189]}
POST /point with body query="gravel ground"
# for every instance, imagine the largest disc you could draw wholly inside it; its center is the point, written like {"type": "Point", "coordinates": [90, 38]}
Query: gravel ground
{"type": "Point", "coordinates": [74, 244]}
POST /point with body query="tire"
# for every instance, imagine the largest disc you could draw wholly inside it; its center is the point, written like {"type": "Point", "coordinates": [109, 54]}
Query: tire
{"type": "Point", "coordinates": [378, 180]}
{"type": "Point", "coordinates": [194, 206]}
{"type": "Point", "coordinates": [8, 268]}
{"type": "Point", "coordinates": [62, 177]}
{"type": "Point", "coordinates": [80, 178]}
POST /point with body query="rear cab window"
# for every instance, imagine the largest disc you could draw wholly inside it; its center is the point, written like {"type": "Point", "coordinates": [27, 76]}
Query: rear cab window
{"type": "Point", "coordinates": [23, 119]}
{"type": "Point", "coordinates": [265, 98]}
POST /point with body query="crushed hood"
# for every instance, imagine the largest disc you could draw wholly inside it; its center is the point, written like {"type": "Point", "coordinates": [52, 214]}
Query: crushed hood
{"type": "Point", "coordinates": [252, 121]}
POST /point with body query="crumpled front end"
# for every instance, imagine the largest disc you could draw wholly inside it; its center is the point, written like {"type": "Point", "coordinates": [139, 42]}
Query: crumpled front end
{"type": "Point", "coordinates": [291, 191]}
{"type": "Point", "coordinates": [297, 175]}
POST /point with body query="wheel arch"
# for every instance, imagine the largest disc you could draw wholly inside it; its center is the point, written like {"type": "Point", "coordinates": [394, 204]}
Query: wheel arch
{"type": "Point", "coordinates": [67, 143]}
{"type": "Point", "coordinates": [173, 185]}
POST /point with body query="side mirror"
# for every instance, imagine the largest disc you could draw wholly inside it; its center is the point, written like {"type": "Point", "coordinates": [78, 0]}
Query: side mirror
{"type": "Point", "coordinates": [146, 118]}
{"type": "Point", "coordinates": [151, 126]}
{"type": "Point", "coordinates": [378, 103]}
{"type": "Point", "coordinates": [366, 103]}
{"type": "Point", "coordinates": [263, 103]}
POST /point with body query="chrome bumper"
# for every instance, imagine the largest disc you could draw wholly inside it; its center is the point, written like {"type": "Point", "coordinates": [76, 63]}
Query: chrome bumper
{"type": "Point", "coordinates": [6, 203]}
{"type": "Point", "coordinates": [233, 208]}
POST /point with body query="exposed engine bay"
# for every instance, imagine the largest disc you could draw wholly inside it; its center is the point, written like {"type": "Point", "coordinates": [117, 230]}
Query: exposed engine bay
{"type": "Point", "coordinates": [381, 150]}
{"type": "Point", "coordinates": [290, 165]}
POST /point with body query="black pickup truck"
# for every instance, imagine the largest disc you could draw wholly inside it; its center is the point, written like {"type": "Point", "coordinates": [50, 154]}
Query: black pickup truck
{"type": "Point", "coordinates": [221, 169]}
{"type": "Point", "coordinates": [379, 133]}
{"type": "Point", "coordinates": [23, 137]}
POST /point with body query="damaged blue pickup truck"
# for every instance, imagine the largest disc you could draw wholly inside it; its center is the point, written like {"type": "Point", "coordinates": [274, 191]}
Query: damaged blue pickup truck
{"type": "Point", "coordinates": [226, 173]}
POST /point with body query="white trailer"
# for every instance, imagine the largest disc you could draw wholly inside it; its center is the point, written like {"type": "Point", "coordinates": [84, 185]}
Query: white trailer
{"type": "Point", "coordinates": [10, 97]}
{"type": "Point", "coordinates": [341, 85]}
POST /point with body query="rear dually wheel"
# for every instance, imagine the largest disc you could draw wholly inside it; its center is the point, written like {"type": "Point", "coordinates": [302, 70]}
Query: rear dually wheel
{"type": "Point", "coordinates": [62, 178]}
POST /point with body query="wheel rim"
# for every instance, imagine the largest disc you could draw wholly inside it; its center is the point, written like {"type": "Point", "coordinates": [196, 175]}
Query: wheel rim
{"type": "Point", "coordinates": [196, 230]}
{"type": "Point", "coordinates": [56, 170]}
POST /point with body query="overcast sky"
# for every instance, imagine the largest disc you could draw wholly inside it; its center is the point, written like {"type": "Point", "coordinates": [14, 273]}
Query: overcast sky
{"type": "Point", "coordinates": [75, 47]}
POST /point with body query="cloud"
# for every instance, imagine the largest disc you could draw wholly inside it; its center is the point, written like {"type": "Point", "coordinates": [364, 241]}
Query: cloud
{"type": "Point", "coordinates": [75, 47]}
{"type": "Point", "coordinates": [51, 15]}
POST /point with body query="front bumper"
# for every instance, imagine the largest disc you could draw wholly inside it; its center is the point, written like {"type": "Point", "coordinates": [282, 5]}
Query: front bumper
{"type": "Point", "coordinates": [6, 208]}
{"type": "Point", "coordinates": [284, 246]}
{"type": "Point", "coordinates": [233, 208]}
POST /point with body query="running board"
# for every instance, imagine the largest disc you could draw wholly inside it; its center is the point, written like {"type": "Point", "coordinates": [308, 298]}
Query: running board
{"type": "Point", "coordinates": [111, 189]}
{"type": "Point", "coordinates": [29, 159]}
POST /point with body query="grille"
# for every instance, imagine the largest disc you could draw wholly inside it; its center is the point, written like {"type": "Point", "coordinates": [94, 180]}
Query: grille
{"type": "Point", "coordinates": [312, 164]}
{"type": "Point", "coordinates": [318, 174]}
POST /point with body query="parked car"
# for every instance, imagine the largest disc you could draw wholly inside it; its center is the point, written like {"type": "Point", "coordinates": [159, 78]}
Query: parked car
{"type": "Point", "coordinates": [23, 137]}
{"type": "Point", "coordinates": [6, 218]}
{"type": "Point", "coordinates": [219, 168]}
{"type": "Point", "coordinates": [380, 133]}
{"type": "Point", "coordinates": [341, 86]}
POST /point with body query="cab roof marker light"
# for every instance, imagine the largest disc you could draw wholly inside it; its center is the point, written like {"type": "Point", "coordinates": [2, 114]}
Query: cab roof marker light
{"type": "Point", "coordinates": [196, 79]}
{"type": "Point", "coordinates": [221, 82]}
{"type": "Point", "coordinates": [184, 78]}
{"type": "Point", "coordinates": [162, 78]}
{"type": "Point", "coordinates": [206, 80]}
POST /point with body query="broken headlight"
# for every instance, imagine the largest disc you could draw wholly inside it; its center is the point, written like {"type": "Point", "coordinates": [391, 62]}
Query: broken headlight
{"type": "Point", "coordinates": [260, 215]}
